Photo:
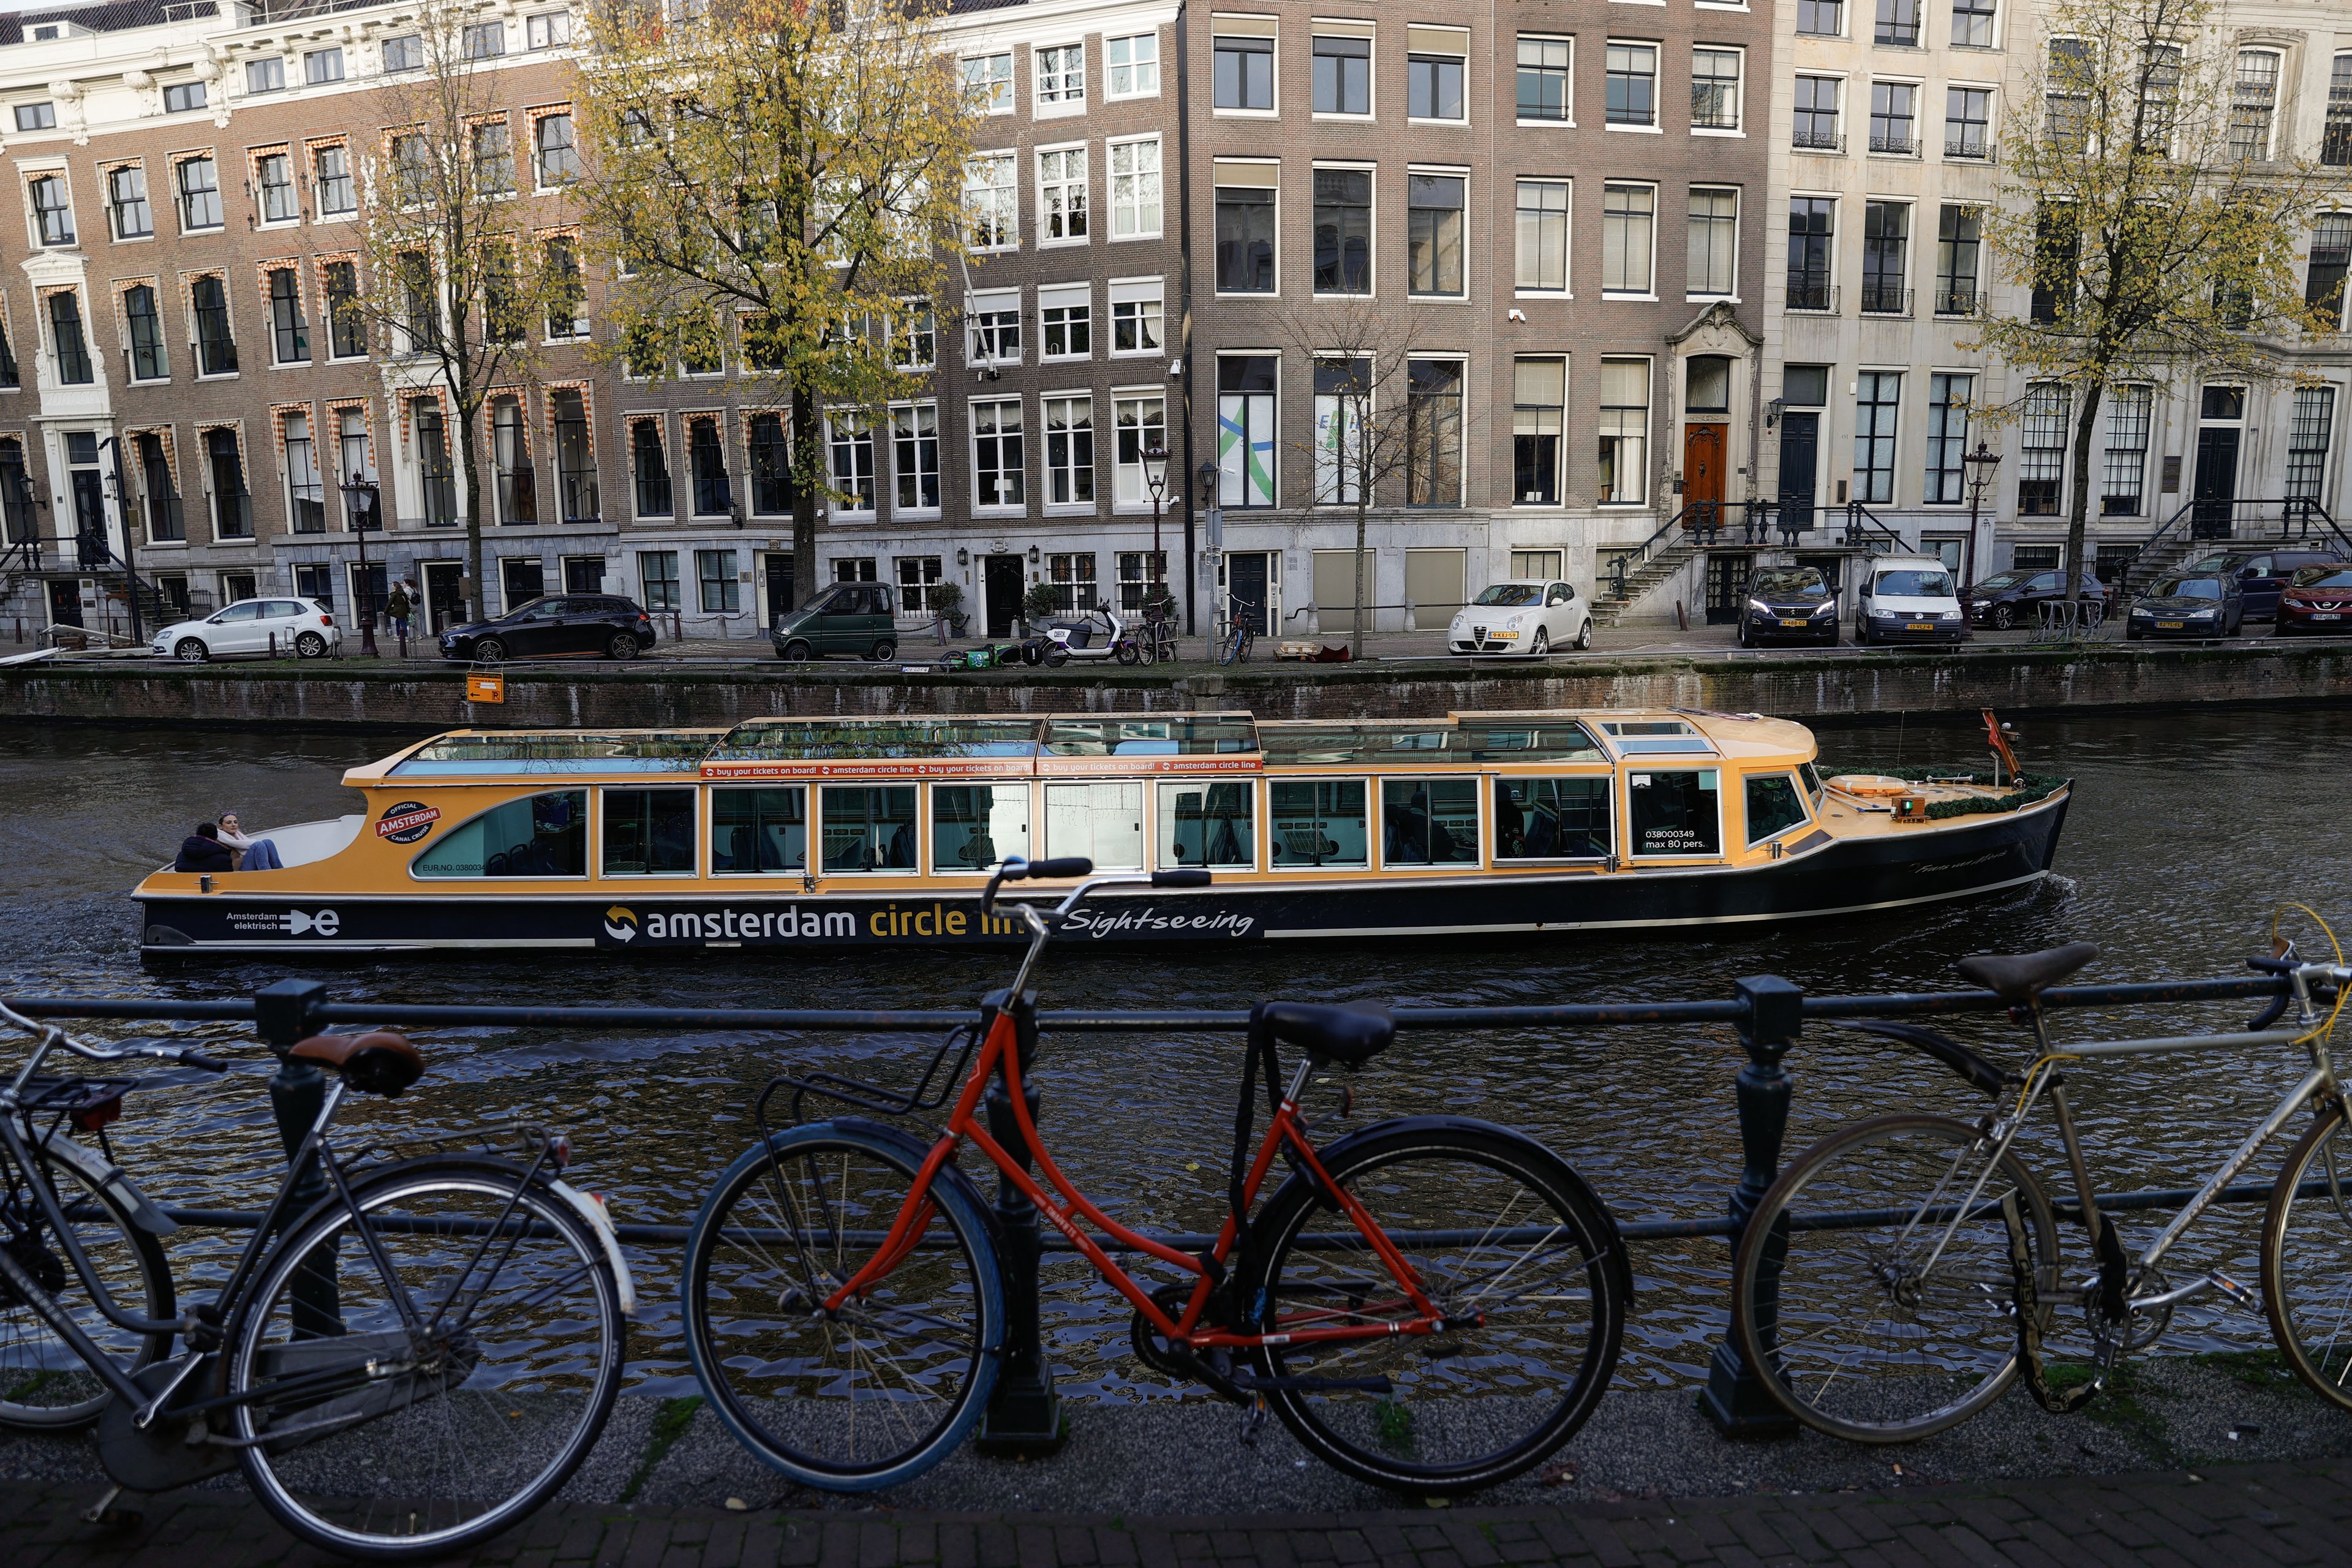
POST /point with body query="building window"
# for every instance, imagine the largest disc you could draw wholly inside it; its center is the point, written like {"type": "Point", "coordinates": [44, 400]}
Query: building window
{"type": "Point", "coordinates": [1343, 76]}
{"type": "Point", "coordinates": [274, 174]}
{"type": "Point", "coordinates": [1062, 193]}
{"type": "Point", "coordinates": [715, 573]}
{"type": "Point", "coordinates": [304, 488]}
{"type": "Point", "coordinates": [918, 335]}
{"type": "Point", "coordinates": [232, 507]}
{"type": "Point", "coordinates": [1968, 122]}
{"type": "Point", "coordinates": [148, 361]}
{"type": "Point", "coordinates": [2121, 485]}
{"type": "Point", "coordinates": [1898, 23]}
{"type": "Point", "coordinates": [182, 97]}
{"type": "Point", "coordinates": [1972, 22]}
{"type": "Point", "coordinates": [1069, 451]}
{"type": "Point", "coordinates": [1624, 431]}
{"type": "Point", "coordinates": [1343, 230]}
{"type": "Point", "coordinates": [1820, 18]}
{"type": "Point", "coordinates": [772, 467]}
{"type": "Point", "coordinates": [265, 75]}
{"type": "Point", "coordinates": [1894, 117]}
{"type": "Point", "coordinates": [1885, 258]}
{"type": "Point", "coordinates": [2308, 430]}
{"type": "Point", "coordinates": [1817, 115]}
{"type": "Point", "coordinates": [706, 459]}
{"type": "Point", "coordinates": [1243, 73]}
{"type": "Point", "coordinates": [1947, 438]}
{"type": "Point", "coordinates": [66, 337]}
{"type": "Point", "coordinates": [915, 456]}
{"type": "Point", "coordinates": [1068, 325]}
{"type": "Point", "coordinates": [555, 152]}
{"type": "Point", "coordinates": [992, 199]}
{"type": "Point", "coordinates": [1434, 86]}
{"type": "Point", "coordinates": [1434, 217]}
{"type": "Point", "coordinates": [652, 468]}
{"type": "Point", "coordinates": [2041, 449]}
{"type": "Point", "coordinates": [2336, 137]}
{"type": "Point", "coordinates": [1062, 76]}
{"type": "Point", "coordinates": [406, 53]}
{"type": "Point", "coordinates": [1135, 320]}
{"type": "Point", "coordinates": [126, 199]}
{"type": "Point", "coordinates": [657, 579]}
{"type": "Point", "coordinates": [1633, 84]}
{"type": "Point", "coordinates": [1628, 223]}
{"type": "Point", "coordinates": [1139, 424]}
{"type": "Point", "coordinates": [998, 475]}
{"type": "Point", "coordinates": [1131, 67]}
{"type": "Point", "coordinates": [2331, 253]}
{"type": "Point", "coordinates": [1432, 467]}
{"type": "Point", "coordinates": [165, 522]}
{"type": "Point", "coordinates": [1713, 262]}
{"type": "Point", "coordinates": [1538, 421]}
{"type": "Point", "coordinates": [323, 66]}
{"type": "Point", "coordinates": [352, 442]}
{"type": "Point", "coordinates": [337, 194]}
{"type": "Point", "coordinates": [1811, 232]}
{"type": "Point", "coordinates": [1958, 246]}
{"type": "Point", "coordinates": [289, 332]}
{"type": "Point", "coordinates": [1544, 75]}
{"type": "Point", "coordinates": [200, 203]}
{"type": "Point", "coordinates": [1244, 239]}
{"type": "Point", "coordinates": [919, 578]}
{"type": "Point", "coordinates": [1135, 188]}
{"type": "Point", "coordinates": [548, 30]}
{"type": "Point", "coordinates": [1878, 395]}
{"type": "Point", "coordinates": [215, 348]}
{"type": "Point", "coordinates": [2253, 103]}
{"type": "Point", "coordinates": [1343, 387]}
{"type": "Point", "coordinates": [1138, 571]}
{"type": "Point", "coordinates": [567, 297]}
{"type": "Point", "coordinates": [1714, 90]}
{"type": "Point", "coordinates": [482, 40]}
{"type": "Point", "coordinates": [52, 210]}
{"type": "Point", "coordinates": [1245, 429]}
{"type": "Point", "coordinates": [36, 117]}
{"type": "Point", "coordinates": [1542, 247]}
{"type": "Point", "coordinates": [494, 159]}
{"type": "Point", "coordinates": [988, 83]}
{"type": "Point", "coordinates": [995, 323]}
{"type": "Point", "coordinates": [346, 329]}
{"type": "Point", "coordinates": [1071, 578]}
{"type": "Point", "coordinates": [436, 475]}
{"type": "Point", "coordinates": [575, 456]}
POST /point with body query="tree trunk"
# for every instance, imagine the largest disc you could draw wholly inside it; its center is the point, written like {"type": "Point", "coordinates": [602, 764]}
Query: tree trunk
{"type": "Point", "coordinates": [1363, 508]}
{"type": "Point", "coordinates": [807, 443]}
{"type": "Point", "coordinates": [2078, 504]}
{"type": "Point", "coordinates": [473, 499]}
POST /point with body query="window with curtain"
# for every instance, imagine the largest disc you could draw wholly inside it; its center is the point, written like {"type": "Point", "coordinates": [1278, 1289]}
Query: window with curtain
{"type": "Point", "coordinates": [915, 456]}
{"type": "Point", "coordinates": [652, 468]}
{"type": "Point", "coordinates": [706, 457]}
{"type": "Point", "coordinates": [437, 480]}
{"type": "Point", "coordinates": [2041, 449]}
{"type": "Point", "coordinates": [305, 489]}
{"type": "Point", "coordinates": [1139, 424]}
{"type": "Point", "coordinates": [289, 332]}
{"type": "Point", "coordinates": [1542, 247]}
{"type": "Point", "coordinates": [518, 485]}
{"type": "Point", "coordinates": [2124, 478]}
{"type": "Point", "coordinates": [149, 359]}
{"type": "Point", "coordinates": [1433, 472]}
{"type": "Point", "coordinates": [66, 339]}
{"type": "Point", "coordinates": [1624, 431]}
{"type": "Point", "coordinates": [232, 507]}
{"type": "Point", "coordinates": [998, 472]}
{"type": "Point", "coordinates": [1629, 216]}
{"type": "Point", "coordinates": [1069, 451]}
{"type": "Point", "coordinates": [1713, 268]}
{"type": "Point", "coordinates": [1538, 421]}
{"type": "Point", "coordinates": [851, 454]}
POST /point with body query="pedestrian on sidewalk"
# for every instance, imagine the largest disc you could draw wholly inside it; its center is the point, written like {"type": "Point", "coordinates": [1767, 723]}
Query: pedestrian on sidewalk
{"type": "Point", "coordinates": [396, 610]}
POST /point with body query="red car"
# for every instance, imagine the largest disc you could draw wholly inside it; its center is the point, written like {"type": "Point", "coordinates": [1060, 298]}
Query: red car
{"type": "Point", "coordinates": [2316, 599]}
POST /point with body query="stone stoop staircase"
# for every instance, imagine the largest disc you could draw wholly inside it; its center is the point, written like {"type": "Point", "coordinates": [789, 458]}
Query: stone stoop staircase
{"type": "Point", "coordinates": [2159, 559]}
{"type": "Point", "coordinates": [1609, 609]}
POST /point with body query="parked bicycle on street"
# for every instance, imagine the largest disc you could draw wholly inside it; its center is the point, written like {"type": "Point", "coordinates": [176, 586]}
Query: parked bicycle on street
{"type": "Point", "coordinates": [1432, 1304]}
{"type": "Point", "coordinates": [1241, 631]}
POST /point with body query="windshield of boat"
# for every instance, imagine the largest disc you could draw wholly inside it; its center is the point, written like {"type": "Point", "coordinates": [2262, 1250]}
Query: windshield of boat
{"type": "Point", "coordinates": [2186, 588]}
{"type": "Point", "coordinates": [1929, 584]}
{"type": "Point", "coordinates": [2323, 577]}
{"type": "Point", "coordinates": [1792, 582]}
{"type": "Point", "coordinates": [1510, 593]}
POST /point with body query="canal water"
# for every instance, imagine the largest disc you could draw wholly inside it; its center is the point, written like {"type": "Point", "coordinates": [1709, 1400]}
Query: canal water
{"type": "Point", "coordinates": [2187, 832]}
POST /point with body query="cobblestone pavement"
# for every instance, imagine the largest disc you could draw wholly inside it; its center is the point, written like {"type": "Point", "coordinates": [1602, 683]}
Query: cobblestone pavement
{"type": "Point", "coordinates": [2239, 1516]}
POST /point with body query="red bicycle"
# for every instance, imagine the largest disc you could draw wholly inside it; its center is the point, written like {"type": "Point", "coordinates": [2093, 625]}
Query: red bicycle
{"type": "Point", "coordinates": [1432, 1303]}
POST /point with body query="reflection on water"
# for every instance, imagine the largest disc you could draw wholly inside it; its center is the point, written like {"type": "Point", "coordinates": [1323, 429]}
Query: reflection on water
{"type": "Point", "coordinates": [2186, 831]}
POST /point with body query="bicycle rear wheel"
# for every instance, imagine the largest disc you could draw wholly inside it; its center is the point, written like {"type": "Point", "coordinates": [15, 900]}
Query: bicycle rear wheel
{"type": "Point", "coordinates": [1900, 1319]}
{"type": "Point", "coordinates": [431, 1382]}
{"type": "Point", "coordinates": [1491, 1223]}
{"type": "Point", "coordinates": [885, 1387]}
{"type": "Point", "coordinates": [2307, 1258]}
{"type": "Point", "coordinates": [44, 1386]}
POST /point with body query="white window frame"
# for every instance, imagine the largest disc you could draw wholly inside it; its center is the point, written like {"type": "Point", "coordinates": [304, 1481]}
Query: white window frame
{"type": "Point", "coordinates": [1124, 475]}
{"type": "Point", "coordinates": [998, 507]}
{"type": "Point", "coordinates": [993, 302]}
{"type": "Point", "coordinates": [1070, 98]}
{"type": "Point", "coordinates": [1133, 66]}
{"type": "Point", "coordinates": [1649, 364]}
{"type": "Point", "coordinates": [1007, 159]}
{"type": "Point", "coordinates": [1005, 102]}
{"type": "Point", "coordinates": [897, 472]}
{"type": "Point", "coordinates": [1460, 51]}
{"type": "Point", "coordinates": [1049, 471]}
{"type": "Point", "coordinates": [1157, 174]}
{"type": "Point", "coordinates": [836, 436]}
{"type": "Point", "coordinates": [547, 30]}
{"type": "Point", "coordinates": [1568, 241]}
{"type": "Point", "coordinates": [1064, 297]}
{"type": "Point", "coordinates": [1738, 215]}
{"type": "Point", "coordinates": [1137, 291]}
{"type": "Point", "coordinates": [1739, 127]}
{"type": "Point", "coordinates": [1567, 123]}
{"type": "Point", "coordinates": [1651, 291]}
{"type": "Point", "coordinates": [1657, 80]}
{"type": "Point", "coordinates": [1084, 182]}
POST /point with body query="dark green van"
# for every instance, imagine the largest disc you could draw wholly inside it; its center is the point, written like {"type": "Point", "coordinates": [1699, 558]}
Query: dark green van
{"type": "Point", "coordinates": [848, 617]}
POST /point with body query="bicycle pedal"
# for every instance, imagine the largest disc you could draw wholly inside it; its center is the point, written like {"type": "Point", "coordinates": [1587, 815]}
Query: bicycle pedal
{"type": "Point", "coordinates": [1253, 1422]}
{"type": "Point", "coordinates": [2232, 1290]}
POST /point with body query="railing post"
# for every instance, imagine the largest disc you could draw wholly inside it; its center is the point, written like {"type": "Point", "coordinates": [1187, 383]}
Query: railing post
{"type": "Point", "coordinates": [285, 1014]}
{"type": "Point", "coordinates": [1733, 1399]}
{"type": "Point", "coordinates": [1025, 1413]}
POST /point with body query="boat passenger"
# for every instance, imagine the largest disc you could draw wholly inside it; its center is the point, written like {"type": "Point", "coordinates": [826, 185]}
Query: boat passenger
{"type": "Point", "coordinates": [203, 851]}
{"type": "Point", "coordinates": [249, 854]}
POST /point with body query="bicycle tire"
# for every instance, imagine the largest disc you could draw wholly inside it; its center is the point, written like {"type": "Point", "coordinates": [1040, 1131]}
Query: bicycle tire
{"type": "Point", "coordinates": [33, 1361]}
{"type": "Point", "coordinates": [2315, 1288]}
{"type": "Point", "coordinates": [1459, 1416]}
{"type": "Point", "coordinates": [427, 1455]}
{"type": "Point", "coordinates": [1962, 1364]}
{"type": "Point", "coordinates": [782, 1386]}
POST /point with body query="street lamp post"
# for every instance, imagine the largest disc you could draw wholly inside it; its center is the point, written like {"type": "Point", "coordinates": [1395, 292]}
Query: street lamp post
{"type": "Point", "coordinates": [1155, 480]}
{"type": "Point", "coordinates": [359, 505]}
{"type": "Point", "coordinates": [1213, 549]}
{"type": "Point", "coordinates": [1981, 465]}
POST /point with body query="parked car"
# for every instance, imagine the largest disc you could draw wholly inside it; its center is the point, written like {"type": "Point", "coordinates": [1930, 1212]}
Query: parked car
{"type": "Point", "coordinates": [2007, 599]}
{"type": "Point", "coordinates": [565, 623]}
{"type": "Point", "coordinates": [1908, 599]}
{"type": "Point", "coordinates": [260, 626]}
{"type": "Point", "coordinates": [2316, 599]}
{"type": "Point", "coordinates": [2260, 574]}
{"type": "Point", "coordinates": [848, 617]}
{"type": "Point", "coordinates": [2211, 604]}
{"type": "Point", "coordinates": [1528, 616]}
{"type": "Point", "coordinates": [1788, 603]}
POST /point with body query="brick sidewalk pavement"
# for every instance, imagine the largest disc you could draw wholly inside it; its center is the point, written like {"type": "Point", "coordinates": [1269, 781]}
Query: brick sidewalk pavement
{"type": "Point", "coordinates": [2234, 1516]}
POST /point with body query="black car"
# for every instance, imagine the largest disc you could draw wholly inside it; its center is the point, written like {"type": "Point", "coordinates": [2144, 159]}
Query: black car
{"type": "Point", "coordinates": [2260, 574]}
{"type": "Point", "coordinates": [1788, 603]}
{"type": "Point", "coordinates": [572, 624]}
{"type": "Point", "coordinates": [2007, 599]}
{"type": "Point", "coordinates": [2210, 605]}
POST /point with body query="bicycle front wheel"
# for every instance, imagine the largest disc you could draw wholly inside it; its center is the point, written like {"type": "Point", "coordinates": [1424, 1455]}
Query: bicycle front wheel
{"type": "Point", "coordinates": [880, 1389]}
{"type": "Point", "coordinates": [422, 1386]}
{"type": "Point", "coordinates": [2307, 1258]}
{"type": "Point", "coordinates": [44, 1386]}
{"type": "Point", "coordinates": [1872, 1294]}
{"type": "Point", "coordinates": [1508, 1242]}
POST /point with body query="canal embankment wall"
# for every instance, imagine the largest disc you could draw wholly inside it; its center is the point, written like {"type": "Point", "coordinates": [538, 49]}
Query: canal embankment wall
{"type": "Point", "coordinates": [1818, 688]}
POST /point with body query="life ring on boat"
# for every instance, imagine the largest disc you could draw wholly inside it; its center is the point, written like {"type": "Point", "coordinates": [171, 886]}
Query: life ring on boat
{"type": "Point", "coordinates": [1870, 786]}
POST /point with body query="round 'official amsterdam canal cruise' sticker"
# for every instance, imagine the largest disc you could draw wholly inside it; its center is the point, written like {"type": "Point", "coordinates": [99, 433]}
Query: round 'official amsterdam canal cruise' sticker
{"type": "Point", "coordinates": [407, 822]}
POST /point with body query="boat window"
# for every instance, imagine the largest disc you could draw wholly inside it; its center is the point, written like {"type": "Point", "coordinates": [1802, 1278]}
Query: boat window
{"type": "Point", "coordinates": [537, 835]}
{"type": "Point", "coordinates": [1674, 812]}
{"type": "Point", "coordinates": [1318, 822]}
{"type": "Point", "coordinates": [1213, 734]}
{"type": "Point", "coordinates": [1426, 822]}
{"type": "Point", "coordinates": [1551, 819]}
{"type": "Point", "coordinates": [1205, 824]}
{"type": "Point", "coordinates": [800, 739]}
{"type": "Point", "coordinates": [755, 830]}
{"type": "Point", "coordinates": [1812, 775]}
{"type": "Point", "coordinates": [648, 832]}
{"type": "Point", "coordinates": [1646, 727]}
{"type": "Point", "coordinates": [977, 826]}
{"type": "Point", "coordinates": [1103, 822]}
{"type": "Point", "coordinates": [1773, 805]}
{"type": "Point", "coordinates": [457, 755]}
{"type": "Point", "coordinates": [869, 829]}
{"type": "Point", "coordinates": [1548, 741]}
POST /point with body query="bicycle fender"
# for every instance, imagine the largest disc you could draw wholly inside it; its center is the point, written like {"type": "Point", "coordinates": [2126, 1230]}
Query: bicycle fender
{"type": "Point", "coordinates": [95, 1169]}
{"type": "Point", "coordinates": [590, 1210]}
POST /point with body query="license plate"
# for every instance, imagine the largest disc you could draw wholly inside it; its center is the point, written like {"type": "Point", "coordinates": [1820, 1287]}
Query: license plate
{"type": "Point", "coordinates": [1918, 626]}
{"type": "Point", "coordinates": [2325, 615]}
{"type": "Point", "coordinates": [1799, 624]}
{"type": "Point", "coordinates": [2169, 626]}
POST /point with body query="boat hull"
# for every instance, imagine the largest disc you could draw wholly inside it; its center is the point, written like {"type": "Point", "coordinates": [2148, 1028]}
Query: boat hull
{"type": "Point", "coordinates": [1962, 858]}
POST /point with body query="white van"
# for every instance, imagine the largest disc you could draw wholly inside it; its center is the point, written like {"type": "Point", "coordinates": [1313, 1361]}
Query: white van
{"type": "Point", "coordinates": [1908, 599]}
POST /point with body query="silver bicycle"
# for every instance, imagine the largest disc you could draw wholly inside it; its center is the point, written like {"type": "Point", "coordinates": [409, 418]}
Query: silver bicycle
{"type": "Point", "coordinates": [1905, 1269]}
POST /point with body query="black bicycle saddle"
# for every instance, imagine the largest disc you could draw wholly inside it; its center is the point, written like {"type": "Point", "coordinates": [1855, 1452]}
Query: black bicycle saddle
{"type": "Point", "coordinates": [2019, 978]}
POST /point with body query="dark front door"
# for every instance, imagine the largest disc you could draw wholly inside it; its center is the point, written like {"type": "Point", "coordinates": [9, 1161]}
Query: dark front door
{"type": "Point", "coordinates": [1799, 458]}
{"type": "Point", "coordinates": [65, 602]}
{"type": "Point", "coordinates": [445, 598]}
{"type": "Point", "coordinates": [1703, 449]}
{"type": "Point", "coordinates": [89, 516]}
{"type": "Point", "coordinates": [1727, 585]}
{"type": "Point", "coordinates": [2217, 481]}
{"type": "Point", "coordinates": [1004, 586]}
{"type": "Point", "coordinates": [1246, 590]}
{"type": "Point", "coordinates": [780, 586]}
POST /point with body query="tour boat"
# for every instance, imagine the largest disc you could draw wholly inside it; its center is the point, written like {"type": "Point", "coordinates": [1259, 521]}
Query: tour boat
{"type": "Point", "coordinates": [842, 833]}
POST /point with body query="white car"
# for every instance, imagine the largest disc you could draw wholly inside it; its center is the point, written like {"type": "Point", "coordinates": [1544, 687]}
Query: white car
{"type": "Point", "coordinates": [1531, 615]}
{"type": "Point", "coordinates": [259, 626]}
